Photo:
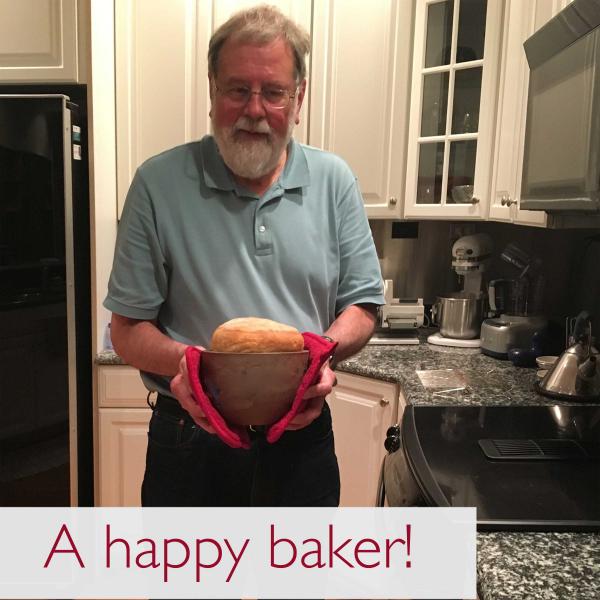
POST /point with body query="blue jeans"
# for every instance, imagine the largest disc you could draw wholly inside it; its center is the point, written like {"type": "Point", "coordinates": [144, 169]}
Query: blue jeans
{"type": "Point", "coordinates": [186, 466]}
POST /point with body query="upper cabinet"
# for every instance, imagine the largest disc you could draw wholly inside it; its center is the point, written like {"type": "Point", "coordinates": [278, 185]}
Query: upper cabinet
{"type": "Point", "coordinates": [453, 107]}
{"type": "Point", "coordinates": [38, 41]}
{"type": "Point", "coordinates": [162, 94]}
{"type": "Point", "coordinates": [521, 20]}
{"type": "Point", "coordinates": [360, 89]}
{"type": "Point", "coordinates": [161, 79]}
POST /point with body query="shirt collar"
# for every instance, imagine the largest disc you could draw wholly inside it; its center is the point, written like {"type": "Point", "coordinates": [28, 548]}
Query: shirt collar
{"type": "Point", "coordinates": [295, 174]}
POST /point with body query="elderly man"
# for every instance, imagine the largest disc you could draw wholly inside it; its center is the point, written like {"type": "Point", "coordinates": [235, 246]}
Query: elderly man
{"type": "Point", "coordinates": [246, 222]}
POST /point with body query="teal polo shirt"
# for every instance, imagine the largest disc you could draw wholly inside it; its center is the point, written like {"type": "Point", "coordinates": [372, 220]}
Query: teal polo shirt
{"type": "Point", "coordinates": [194, 249]}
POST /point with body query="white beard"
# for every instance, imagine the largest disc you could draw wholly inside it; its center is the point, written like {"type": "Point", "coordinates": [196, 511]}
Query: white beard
{"type": "Point", "coordinates": [251, 159]}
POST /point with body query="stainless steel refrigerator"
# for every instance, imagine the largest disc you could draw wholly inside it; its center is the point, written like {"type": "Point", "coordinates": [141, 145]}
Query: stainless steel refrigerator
{"type": "Point", "coordinates": [45, 305]}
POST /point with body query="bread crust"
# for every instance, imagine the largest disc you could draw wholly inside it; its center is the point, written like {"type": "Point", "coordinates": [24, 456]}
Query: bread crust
{"type": "Point", "coordinates": [253, 334]}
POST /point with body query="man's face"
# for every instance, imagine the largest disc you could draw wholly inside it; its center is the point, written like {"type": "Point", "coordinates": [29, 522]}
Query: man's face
{"type": "Point", "coordinates": [252, 138]}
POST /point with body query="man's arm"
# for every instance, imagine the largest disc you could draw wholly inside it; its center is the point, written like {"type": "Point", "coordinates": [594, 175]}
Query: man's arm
{"type": "Point", "coordinates": [352, 329]}
{"type": "Point", "coordinates": [143, 346]}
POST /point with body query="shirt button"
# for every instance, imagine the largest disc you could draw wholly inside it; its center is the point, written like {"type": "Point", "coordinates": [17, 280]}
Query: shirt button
{"type": "Point", "coordinates": [262, 228]}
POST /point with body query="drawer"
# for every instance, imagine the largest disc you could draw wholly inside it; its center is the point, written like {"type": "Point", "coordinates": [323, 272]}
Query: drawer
{"type": "Point", "coordinates": [120, 386]}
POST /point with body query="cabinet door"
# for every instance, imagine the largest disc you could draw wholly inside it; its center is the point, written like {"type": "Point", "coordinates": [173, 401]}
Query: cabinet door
{"type": "Point", "coordinates": [38, 41]}
{"type": "Point", "coordinates": [360, 91]}
{"type": "Point", "coordinates": [362, 409]}
{"type": "Point", "coordinates": [519, 23]}
{"type": "Point", "coordinates": [454, 84]}
{"type": "Point", "coordinates": [123, 435]}
{"type": "Point", "coordinates": [161, 79]}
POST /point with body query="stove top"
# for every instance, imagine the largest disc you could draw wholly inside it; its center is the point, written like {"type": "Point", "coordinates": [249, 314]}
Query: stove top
{"type": "Point", "coordinates": [524, 468]}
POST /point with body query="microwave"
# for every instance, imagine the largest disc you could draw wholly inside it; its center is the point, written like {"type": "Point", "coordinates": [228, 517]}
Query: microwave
{"type": "Point", "coordinates": [561, 160]}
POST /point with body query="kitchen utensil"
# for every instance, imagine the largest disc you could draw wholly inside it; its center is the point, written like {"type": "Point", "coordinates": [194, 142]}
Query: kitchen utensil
{"type": "Point", "coordinates": [459, 315]}
{"type": "Point", "coordinates": [462, 194]}
{"type": "Point", "coordinates": [252, 388]}
{"type": "Point", "coordinates": [522, 357]}
{"type": "Point", "coordinates": [545, 362]}
{"type": "Point", "coordinates": [576, 374]}
{"type": "Point", "coordinates": [501, 334]}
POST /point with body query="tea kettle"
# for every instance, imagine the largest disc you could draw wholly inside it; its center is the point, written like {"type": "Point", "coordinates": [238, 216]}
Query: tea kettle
{"type": "Point", "coordinates": [576, 373]}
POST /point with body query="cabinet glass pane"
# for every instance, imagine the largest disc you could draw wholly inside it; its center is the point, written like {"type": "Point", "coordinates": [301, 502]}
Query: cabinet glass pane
{"type": "Point", "coordinates": [471, 30]}
{"type": "Point", "coordinates": [467, 93]}
{"type": "Point", "coordinates": [461, 172]}
{"type": "Point", "coordinates": [435, 103]}
{"type": "Point", "coordinates": [431, 163]}
{"type": "Point", "coordinates": [439, 33]}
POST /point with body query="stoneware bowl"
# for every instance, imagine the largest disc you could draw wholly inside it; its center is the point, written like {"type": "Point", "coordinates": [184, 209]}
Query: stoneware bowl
{"type": "Point", "coordinates": [252, 388]}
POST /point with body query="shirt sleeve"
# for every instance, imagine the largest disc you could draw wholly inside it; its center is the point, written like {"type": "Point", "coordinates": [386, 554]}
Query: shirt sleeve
{"type": "Point", "coordinates": [137, 286]}
{"type": "Point", "coordinates": [360, 279]}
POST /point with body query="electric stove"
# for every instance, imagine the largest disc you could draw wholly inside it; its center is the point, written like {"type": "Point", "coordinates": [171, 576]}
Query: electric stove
{"type": "Point", "coordinates": [524, 468]}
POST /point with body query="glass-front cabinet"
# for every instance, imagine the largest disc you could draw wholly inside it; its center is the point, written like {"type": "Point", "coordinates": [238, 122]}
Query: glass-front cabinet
{"type": "Point", "coordinates": [453, 103]}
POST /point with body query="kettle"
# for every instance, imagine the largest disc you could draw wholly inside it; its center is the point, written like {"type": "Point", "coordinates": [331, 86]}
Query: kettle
{"type": "Point", "coordinates": [576, 373]}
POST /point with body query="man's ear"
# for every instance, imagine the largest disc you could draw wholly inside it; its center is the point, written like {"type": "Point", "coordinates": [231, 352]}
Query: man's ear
{"type": "Point", "coordinates": [301, 92]}
{"type": "Point", "coordinates": [211, 91]}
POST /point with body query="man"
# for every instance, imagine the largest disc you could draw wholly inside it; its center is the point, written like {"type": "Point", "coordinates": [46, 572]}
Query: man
{"type": "Point", "coordinates": [243, 223]}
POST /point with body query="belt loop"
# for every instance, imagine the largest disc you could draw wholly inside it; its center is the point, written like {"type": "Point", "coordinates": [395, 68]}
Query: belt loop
{"type": "Point", "coordinates": [149, 402]}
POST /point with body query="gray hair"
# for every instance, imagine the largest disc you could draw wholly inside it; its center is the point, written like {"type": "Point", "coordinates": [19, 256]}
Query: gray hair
{"type": "Point", "coordinates": [261, 25]}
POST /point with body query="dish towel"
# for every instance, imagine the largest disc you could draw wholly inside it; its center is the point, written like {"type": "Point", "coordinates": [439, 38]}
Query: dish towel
{"type": "Point", "coordinates": [235, 436]}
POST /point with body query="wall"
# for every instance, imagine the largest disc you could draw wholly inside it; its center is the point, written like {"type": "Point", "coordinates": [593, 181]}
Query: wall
{"type": "Point", "coordinates": [421, 267]}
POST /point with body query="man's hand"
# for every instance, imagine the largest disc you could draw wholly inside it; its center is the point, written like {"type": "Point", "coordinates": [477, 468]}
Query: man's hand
{"type": "Point", "coordinates": [180, 386]}
{"type": "Point", "coordinates": [315, 398]}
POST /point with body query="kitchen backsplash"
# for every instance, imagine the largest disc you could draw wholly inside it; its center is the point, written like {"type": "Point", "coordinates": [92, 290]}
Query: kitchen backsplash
{"type": "Point", "coordinates": [421, 267]}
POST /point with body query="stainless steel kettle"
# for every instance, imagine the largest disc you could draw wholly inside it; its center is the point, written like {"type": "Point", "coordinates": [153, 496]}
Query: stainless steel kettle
{"type": "Point", "coordinates": [576, 373]}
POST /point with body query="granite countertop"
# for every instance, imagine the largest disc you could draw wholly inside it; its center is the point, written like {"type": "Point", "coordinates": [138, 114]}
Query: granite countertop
{"type": "Point", "coordinates": [488, 381]}
{"type": "Point", "coordinates": [510, 565]}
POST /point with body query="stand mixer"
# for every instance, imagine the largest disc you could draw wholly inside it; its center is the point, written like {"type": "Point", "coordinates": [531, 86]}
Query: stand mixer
{"type": "Point", "coordinates": [459, 315]}
{"type": "Point", "coordinates": [471, 255]}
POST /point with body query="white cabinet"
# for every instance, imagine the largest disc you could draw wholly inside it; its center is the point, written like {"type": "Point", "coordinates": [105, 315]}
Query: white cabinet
{"type": "Point", "coordinates": [162, 94]}
{"type": "Point", "coordinates": [123, 418]}
{"type": "Point", "coordinates": [161, 82]}
{"type": "Point", "coordinates": [38, 41]}
{"type": "Point", "coordinates": [521, 20]}
{"type": "Point", "coordinates": [362, 409]}
{"type": "Point", "coordinates": [452, 110]}
{"type": "Point", "coordinates": [360, 93]}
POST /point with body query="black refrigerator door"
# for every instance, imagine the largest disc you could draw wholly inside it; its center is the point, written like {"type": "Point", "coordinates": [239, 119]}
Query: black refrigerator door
{"type": "Point", "coordinates": [39, 279]}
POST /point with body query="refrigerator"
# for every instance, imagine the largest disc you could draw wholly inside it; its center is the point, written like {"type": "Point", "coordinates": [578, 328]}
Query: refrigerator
{"type": "Point", "coordinates": [46, 456]}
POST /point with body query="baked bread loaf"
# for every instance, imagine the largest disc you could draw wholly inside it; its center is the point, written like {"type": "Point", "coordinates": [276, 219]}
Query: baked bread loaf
{"type": "Point", "coordinates": [251, 334]}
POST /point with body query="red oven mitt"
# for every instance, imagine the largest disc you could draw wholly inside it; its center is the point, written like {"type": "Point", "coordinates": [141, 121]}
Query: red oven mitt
{"type": "Point", "coordinates": [235, 436]}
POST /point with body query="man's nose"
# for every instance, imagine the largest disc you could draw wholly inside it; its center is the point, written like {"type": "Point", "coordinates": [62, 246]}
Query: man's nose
{"type": "Point", "coordinates": [254, 107]}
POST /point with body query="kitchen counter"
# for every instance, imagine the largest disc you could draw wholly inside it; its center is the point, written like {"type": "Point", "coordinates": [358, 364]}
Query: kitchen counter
{"type": "Point", "coordinates": [488, 381]}
{"type": "Point", "coordinates": [510, 565]}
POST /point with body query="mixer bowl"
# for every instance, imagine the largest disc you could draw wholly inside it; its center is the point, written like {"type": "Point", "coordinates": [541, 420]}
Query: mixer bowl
{"type": "Point", "coordinates": [460, 315]}
{"type": "Point", "coordinates": [252, 388]}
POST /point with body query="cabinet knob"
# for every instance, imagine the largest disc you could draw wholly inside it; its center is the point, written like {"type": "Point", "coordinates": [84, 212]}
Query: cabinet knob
{"type": "Point", "coordinates": [383, 402]}
{"type": "Point", "coordinates": [507, 200]}
{"type": "Point", "coordinates": [474, 200]}
{"type": "Point", "coordinates": [393, 200]}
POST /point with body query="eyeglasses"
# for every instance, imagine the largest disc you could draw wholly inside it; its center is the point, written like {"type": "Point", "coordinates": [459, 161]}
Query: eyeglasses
{"type": "Point", "coordinates": [272, 97]}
